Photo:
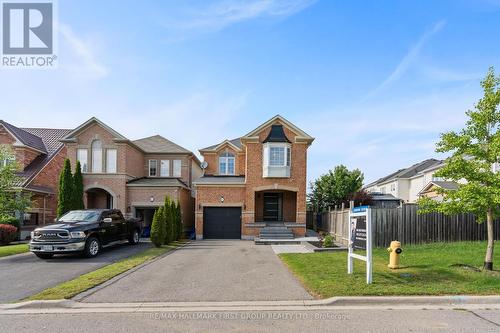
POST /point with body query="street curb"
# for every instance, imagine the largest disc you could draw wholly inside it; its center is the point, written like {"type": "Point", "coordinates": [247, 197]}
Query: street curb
{"type": "Point", "coordinates": [120, 276]}
{"type": "Point", "coordinates": [334, 303]}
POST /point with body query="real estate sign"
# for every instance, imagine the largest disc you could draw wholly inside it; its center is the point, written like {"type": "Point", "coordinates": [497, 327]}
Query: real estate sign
{"type": "Point", "coordinates": [360, 238]}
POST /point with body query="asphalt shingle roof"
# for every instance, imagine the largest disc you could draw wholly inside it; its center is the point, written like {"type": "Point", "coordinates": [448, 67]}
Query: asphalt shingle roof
{"type": "Point", "coordinates": [236, 142]}
{"type": "Point", "coordinates": [447, 185]}
{"type": "Point", "coordinates": [408, 172]}
{"type": "Point", "coordinates": [160, 181]}
{"type": "Point", "coordinates": [158, 144]}
{"type": "Point", "coordinates": [220, 180]}
{"type": "Point", "coordinates": [25, 137]}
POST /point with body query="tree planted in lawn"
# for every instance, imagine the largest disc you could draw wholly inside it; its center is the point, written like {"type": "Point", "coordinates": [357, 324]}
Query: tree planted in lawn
{"type": "Point", "coordinates": [78, 188]}
{"type": "Point", "coordinates": [11, 198]}
{"type": "Point", "coordinates": [335, 187]}
{"type": "Point", "coordinates": [475, 149]}
{"type": "Point", "coordinates": [65, 194]}
{"type": "Point", "coordinates": [180, 228]}
{"type": "Point", "coordinates": [169, 236]}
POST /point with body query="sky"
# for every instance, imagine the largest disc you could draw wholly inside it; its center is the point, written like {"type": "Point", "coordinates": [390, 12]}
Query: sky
{"type": "Point", "coordinates": [375, 82]}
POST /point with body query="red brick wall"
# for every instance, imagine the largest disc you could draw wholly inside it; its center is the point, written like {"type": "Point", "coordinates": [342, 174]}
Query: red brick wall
{"type": "Point", "coordinates": [5, 137]}
{"type": "Point", "coordinates": [213, 161]}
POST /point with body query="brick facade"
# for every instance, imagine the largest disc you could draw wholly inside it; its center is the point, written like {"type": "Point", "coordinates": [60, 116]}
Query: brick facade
{"type": "Point", "coordinates": [249, 196]}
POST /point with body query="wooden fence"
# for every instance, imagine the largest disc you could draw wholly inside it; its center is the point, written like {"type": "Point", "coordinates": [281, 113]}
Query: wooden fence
{"type": "Point", "coordinates": [405, 225]}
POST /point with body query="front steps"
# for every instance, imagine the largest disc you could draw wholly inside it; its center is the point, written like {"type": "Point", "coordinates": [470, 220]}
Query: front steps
{"type": "Point", "coordinates": [274, 233]}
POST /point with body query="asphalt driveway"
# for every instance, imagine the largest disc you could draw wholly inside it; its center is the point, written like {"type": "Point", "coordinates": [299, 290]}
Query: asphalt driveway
{"type": "Point", "coordinates": [24, 275]}
{"type": "Point", "coordinates": [209, 270]}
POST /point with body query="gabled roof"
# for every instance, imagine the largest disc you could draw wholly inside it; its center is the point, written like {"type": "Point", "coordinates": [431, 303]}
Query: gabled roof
{"type": "Point", "coordinates": [71, 136]}
{"type": "Point", "coordinates": [446, 185]}
{"type": "Point", "coordinates": [301, 135]}
{"type": "Point", "coordinates": [407, 172]}
{"type": "Point", "coordinates": [235, 143]}
{"type": "Point", "coordinates": [158, 144]}
{"type": "Point", "coordinates": [24, 137]}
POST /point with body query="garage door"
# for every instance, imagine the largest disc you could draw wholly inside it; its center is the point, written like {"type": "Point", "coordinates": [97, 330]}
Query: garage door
{"type": "Point", "coordinates": [222, 223]}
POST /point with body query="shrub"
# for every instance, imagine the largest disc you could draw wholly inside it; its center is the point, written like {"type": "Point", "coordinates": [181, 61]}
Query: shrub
{"type": "Point", "coordinates": [169, 217]}
{"type": "Point", "coordinates": [8, 233]}
{"type": "Point", "coordinates": [180, 227]}
{"type": "Point", "coordinates": [10, 220]}
{"type": "Point", "coordinates": [328, 241]}
{"type": "Point", "coordinates": [158, 228]}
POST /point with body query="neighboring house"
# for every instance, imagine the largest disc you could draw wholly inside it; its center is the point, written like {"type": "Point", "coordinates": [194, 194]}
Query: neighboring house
{"type": "Point", "coordinates": [40, 156]}
{"type": "Point", "coordinates": [431, 189]}
{"type": "Point", "coordinates": [380, 200]}
{"type": "Point", "coordinates": [406, 184]}
{"type": "Point", "coordinates": [254, 181]}
{"type": "Point", "coordinates": [133, 176]}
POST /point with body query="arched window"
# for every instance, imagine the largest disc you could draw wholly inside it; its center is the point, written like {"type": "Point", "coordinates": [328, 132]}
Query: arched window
{"type": "Point", "coordinates": [226, 163]}
{"type": "Point", "coordinates": [96, 156]}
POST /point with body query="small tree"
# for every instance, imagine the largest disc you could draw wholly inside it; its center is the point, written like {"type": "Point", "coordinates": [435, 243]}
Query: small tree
{"type": "Point", "coordinates": [169, 236]}
{"type": "Point", "coordinates": [78, 188]}
{"type": "Point", "coordinates": [475, 149]}
{"type": "Point", "coordinates": [334, 188]}
{"type": "Point", "coordinates": [65, 194]}
{"type": "Point", "coordinates": [157, 233]}
{"type": "Point", "coordinates": [12, 200]}
{"type": "Point", "coordinates": [180, 227]}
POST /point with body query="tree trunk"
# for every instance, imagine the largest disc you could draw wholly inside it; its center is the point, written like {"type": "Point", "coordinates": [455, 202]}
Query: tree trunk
{"type": "Point", "coordinates": [488, 260]}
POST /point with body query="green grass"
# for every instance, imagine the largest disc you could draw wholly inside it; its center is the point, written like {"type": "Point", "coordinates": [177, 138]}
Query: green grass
{"type": "Point", "coordinates": [430, 270]}
{"type": "Point", "coordinates": [9, 250]}
{"type": "Point", "coordinates": [86, 281]}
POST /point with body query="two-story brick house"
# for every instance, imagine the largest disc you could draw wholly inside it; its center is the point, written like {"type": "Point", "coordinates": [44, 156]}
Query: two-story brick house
{"type": "Point", "coordinates": [254, 181]}
{"type": "Point", "coordinates": [40, 156]}
{"type": "Point", "coordinates": [133, 176]}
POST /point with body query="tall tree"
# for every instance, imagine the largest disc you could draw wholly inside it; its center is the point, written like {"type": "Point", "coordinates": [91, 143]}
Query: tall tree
{"type": "Point", "coordinates": [474, 150]}
{"type": "Point", "coordinates": [65, 194]}
{"type": "Point", "coordinates": [335, 187]}
{"type": "Point", "coordinates": [11, 198]}
{"type": "Point", "coordinates": [78, 188]}
{"type": "Point", "coordinates": [157, 233]}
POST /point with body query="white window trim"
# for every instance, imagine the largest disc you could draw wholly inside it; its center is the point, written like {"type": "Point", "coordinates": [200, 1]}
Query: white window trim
{"type": "Point", "coordinates": [173, 168]}
{"type": "Point", "coordinates": [168, 168]}
{"type": "Point", "coordinates": [267, 154]}
{"type": "Point", "coordinates": [115, 160]}
{"type": "Point", "coordinates": [227, 158]}
{"type": "Point", "coordinates": [156, 168]}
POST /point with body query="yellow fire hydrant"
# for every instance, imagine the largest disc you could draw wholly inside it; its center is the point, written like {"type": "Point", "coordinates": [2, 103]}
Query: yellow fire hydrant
{"type": "Point", "coordinates": [395, 251]}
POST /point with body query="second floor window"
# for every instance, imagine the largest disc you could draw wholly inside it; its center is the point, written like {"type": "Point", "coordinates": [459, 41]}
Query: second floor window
{"type": "Point", "coordinates": [81, 156]}
{"type": "Point", "coordinates": [226, 164]}
{"type": "Point", "coordinates": [279, 156]}
{"type": "Point", "coordinates": [152, 168]}
{"type": "Point", "coordinates": [176, 168]}
{"type": "Point", "coordinates": [96, 156]}
{"type": "Point", "coordinates": [111, 160]}
{"type": "Point", "coordinates": [165, 168]}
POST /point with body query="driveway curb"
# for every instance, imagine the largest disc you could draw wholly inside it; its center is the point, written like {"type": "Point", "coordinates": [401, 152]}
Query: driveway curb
{"type": "Point", "coordinates": [116, 278]}
{"type": "Point", "coordinates": [334, 303]}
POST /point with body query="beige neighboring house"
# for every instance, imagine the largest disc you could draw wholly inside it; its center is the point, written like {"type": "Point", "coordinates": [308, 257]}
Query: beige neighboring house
{"type": "Point", "coordinates": [133, 176]}
{"type": "Point", "coordinates": [407, 184]}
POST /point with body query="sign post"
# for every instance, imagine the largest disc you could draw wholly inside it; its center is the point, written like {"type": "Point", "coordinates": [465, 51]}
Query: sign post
{"type": "Point", "coordinates": [360, 238]}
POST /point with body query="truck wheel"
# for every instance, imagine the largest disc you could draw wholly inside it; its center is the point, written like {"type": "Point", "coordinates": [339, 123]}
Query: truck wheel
{"type": "Point", "coordinates": [134, 238]}
{"type": "Point", "coordinates": [92, 247]}
{"type": "Point", "coordinates": [44, 255]}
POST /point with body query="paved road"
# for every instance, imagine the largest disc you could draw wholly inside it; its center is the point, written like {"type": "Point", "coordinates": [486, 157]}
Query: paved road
{"type": "Point", "coordinates": [275, 321]}
{"type": "Point", "coordinates": [209, 270]}
{"type": "Point", "coordinates": [24, 275]}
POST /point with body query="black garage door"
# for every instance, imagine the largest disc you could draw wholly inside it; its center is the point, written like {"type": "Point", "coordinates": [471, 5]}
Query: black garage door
{"type": "Point", "coordinates": [222, 222]}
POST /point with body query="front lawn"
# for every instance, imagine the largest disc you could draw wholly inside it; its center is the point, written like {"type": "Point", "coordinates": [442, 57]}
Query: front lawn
{"type": "Point", "coordinates": [84, 282]}
{"type": "Point", "coordinates": [8, 250]}
{"type": "Point", "coordinates": [431, 269]}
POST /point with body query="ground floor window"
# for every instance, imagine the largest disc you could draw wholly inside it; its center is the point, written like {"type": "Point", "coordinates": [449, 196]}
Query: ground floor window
{"type": "Point", "coordinates": [30, 219]}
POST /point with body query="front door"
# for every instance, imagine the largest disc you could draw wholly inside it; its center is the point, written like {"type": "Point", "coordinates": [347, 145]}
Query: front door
{"type": "Point", "coordinates": [273, 207]}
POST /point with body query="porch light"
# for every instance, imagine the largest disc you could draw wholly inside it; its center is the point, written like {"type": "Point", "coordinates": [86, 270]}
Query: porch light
{"type": "Point", "coordinates": [152, 199]}
{"type": "Point", "coordinates": [222, 199]}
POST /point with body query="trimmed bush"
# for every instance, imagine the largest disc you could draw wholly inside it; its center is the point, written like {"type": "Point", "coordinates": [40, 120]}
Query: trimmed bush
{"type": "Point", "coordinates": [10, 220]}
{"type": "Point", "coordinates": [8, 233]}
{"type": "Point", "coordinates": [65, 194]}
{"type": "Point", "coordinates": [328, 241]}
{"type": "Point", "coordinates": [78, 188]}
{"type": "Point", "coordinates": [169, 236]}
{"type": "Point", "coordinates": [180, 228]}
{"type": "Point", "coordinates": [158, 228]}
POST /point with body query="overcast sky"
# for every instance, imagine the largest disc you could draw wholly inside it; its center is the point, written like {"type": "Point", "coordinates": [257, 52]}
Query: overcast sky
{"type": "Point", "coordinates": [374, 82]}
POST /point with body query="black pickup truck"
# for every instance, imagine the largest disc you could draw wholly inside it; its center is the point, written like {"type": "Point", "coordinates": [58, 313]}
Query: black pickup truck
{"type": "Point", "coordinates": [84, 231]}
